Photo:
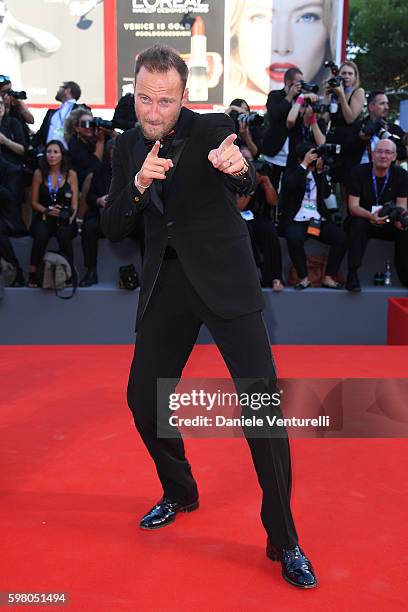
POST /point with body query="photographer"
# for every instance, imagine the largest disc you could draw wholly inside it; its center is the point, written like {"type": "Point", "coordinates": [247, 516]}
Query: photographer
{"type": "Point", "coordinates": [247, 127]}
{"type": "Point", "coordinates": [11, 223]}
{"type": "Point", "coordinates": [95, 201]}
{"type": "Point", "coordinates": [305, 124]}
{"type": "Point", "coordinates": [55, 202]}
{"type": "Point", "coordinates": [375, 127]}
{"type": "Point", "coordinates": [275, 145]}
{"type": "Point", "coordinates": [11, 137]}
{"type": "Point", "coordinates": [305, 215]}
{"type": "Point", "coordinates": [371, 187]}
{"type": "Point", "coordinates": [53, 125]}
{"type": "Point", "coordinates": [86, 144]}
{"type": "Point", "coordinates": [16, 107]}
{"type": "Point", "coordinates": [264, 237]}
{"type": "Point", "coordinates": [346, 100]}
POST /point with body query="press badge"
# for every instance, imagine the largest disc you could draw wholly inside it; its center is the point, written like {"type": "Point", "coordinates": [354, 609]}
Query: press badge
{"type": "Point", "coordinates": [247, 215]}
{"type": "Point", "coordinates": [314, 227]}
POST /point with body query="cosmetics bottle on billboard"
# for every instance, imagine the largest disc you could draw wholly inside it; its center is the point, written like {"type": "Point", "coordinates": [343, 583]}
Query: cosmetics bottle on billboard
{"type": "Point", "coordinates": [198, 85]}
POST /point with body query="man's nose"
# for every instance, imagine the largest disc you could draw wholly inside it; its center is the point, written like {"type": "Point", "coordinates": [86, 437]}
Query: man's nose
{"type": "Point", "coordinates": [153, 112]}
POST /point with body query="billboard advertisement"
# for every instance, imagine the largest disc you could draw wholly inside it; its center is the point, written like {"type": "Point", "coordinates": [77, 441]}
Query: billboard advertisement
{"type": "Point", "coordinates": [195, 29]}
{"type": "Point", "coordinates": [234, 48]}
{"type": "Point", "coordinates": [45, 42]}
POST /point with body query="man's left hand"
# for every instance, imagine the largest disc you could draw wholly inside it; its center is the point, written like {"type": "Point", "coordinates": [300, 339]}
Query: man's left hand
{"type": "Point", "coordinates": [227, 158]}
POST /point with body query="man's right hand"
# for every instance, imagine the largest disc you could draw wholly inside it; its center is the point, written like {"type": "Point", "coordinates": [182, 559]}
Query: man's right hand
{"type": "Point", "coordinates": [310, 157]}
{"type": "Point", "coordinates": [154, 167]}
{"type": "Point", "coordinates": [294, 90]}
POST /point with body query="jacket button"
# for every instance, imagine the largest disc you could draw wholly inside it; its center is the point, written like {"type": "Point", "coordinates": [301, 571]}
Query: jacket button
{"type": "Point", "coordinates": [128, 213]}
{"type": "Point", "coordinates": [137, 198]}
{"type": "Point", "coordinates": [170, 223]}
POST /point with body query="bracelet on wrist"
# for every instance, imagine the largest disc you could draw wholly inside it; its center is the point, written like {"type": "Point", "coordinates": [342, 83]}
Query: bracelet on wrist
{"type": "Point", "coordinates": [243, 171]}
{"type": "Point", "coordinates": [140, 185]}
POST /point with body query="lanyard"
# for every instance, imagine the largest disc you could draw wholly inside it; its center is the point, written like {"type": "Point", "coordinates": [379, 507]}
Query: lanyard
{"type": "Point", "coordinates": [379, 195]}
{"type": "Point", "coordinates": [68, 109]}
{"type": "Point", "coordinates": [51, 190]}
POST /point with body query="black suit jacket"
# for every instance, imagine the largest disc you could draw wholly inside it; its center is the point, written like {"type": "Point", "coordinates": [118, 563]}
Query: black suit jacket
{"type": "Point", "coordinates": [293, 192]}
{"type": "Point", "coordinates": [40, 138]}
{"type": "Point", "coordinates": [199, 216]}
{"type": "Point", "coordinates": [278, 109]}
{"type": "Point", "coordinates": [11, 195]}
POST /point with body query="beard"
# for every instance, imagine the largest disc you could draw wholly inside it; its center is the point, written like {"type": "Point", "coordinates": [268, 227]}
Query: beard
{"type": "Point", "coordinates": [154, 131]}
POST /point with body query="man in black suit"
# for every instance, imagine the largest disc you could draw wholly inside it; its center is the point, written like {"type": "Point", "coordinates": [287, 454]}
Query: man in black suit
{"type": "Point", "coordinates": [305, 215]}
{"type": "Point", "coordinates": [198, 268]}
{"type": "Point", "coordinates": [276, 142]}
{"type": "Point", "coordinates": [52, 127]}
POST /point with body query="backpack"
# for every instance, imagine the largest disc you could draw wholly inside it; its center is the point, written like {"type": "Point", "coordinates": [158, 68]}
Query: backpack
{"type": "Point", "coordinates": [56, 272]}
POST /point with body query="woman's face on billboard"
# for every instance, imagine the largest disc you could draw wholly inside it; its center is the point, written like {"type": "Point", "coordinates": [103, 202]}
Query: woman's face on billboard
{"type": "Point", "coordinates": [275, 35]}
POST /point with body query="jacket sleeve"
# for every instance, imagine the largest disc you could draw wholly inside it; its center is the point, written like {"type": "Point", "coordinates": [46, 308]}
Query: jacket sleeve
{"type": "Point", "coordinates": [125, 203]}
{"type": "Point", "coordinates": [222, 126]}
{"type": "Point", "coordinates": [278, 110]}
{"type": "Point", "coordinates": [399, 142]}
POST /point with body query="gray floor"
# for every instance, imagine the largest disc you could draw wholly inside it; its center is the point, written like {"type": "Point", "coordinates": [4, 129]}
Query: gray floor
{"type": "Point", "coordinates": [103, 314]}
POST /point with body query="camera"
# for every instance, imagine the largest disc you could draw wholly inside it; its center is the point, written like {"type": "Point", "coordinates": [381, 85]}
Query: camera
{"type": "Point", "coordinates": [309, 87]}
{"type": "Point", "coordinates": [327, 150]}
{"type": "Point", "coordinates": [377, 128]}
{"type": "Point", "coordinates": [318, 107]}
{"type": "Point", "coordinates": [96, 122]}
{"type": "Point", "coordinates": [336, 80]}
{"type": "Point", "coordinates": [64, 206]}
{"type": "Point", "coordinates": [248, 119]}
{"type": "Point", "coordinates": [66, 209]}
{"type": "Point", "coordinates": [394, 213]}
{"type": "Point", "coordinates": [17, 95]}
{"type": "Point", "coordinates": [328, 153]}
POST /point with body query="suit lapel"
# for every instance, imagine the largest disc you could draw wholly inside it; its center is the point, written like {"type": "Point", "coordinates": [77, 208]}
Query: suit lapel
{"type": "Point", "coordinates": [183, 130]}
{"type": "Point", "coordinates": [174, 153]}
{"type": "Point", "coordinates": [139, 155]}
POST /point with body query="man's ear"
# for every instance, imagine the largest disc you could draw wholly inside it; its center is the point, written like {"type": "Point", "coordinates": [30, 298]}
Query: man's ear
{"type": "Point", "coordinates": [184, 99]}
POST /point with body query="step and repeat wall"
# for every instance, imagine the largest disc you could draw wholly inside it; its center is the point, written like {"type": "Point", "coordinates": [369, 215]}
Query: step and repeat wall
{"type": "Point", "coordinates": [234, 48]}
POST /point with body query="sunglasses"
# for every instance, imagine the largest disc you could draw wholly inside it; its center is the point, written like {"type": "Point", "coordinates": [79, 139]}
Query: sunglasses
{"type": "Point", "coordinates": [4, 79]}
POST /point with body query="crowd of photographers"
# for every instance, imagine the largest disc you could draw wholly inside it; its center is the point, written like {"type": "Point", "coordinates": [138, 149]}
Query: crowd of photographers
{"type": "Point", "coordinates": [327, 171]}
{"type": "Point", "coordinates": [324, 171]}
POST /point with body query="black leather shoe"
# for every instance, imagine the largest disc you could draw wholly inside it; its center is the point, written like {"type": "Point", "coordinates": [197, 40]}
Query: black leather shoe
{"type": "Point", "coordinates": [296, 567]}
{"type": "Point", "coordinates": [164, 513]}
{"type": "Point", "coordinates": [90, 278]}
{"type": "Point", "coordinates": [353, 282]}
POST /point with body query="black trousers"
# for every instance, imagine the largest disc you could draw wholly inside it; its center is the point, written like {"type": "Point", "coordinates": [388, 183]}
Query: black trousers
{"type": "Point", "coordinates": [42, 231]}
{"type": "Point", "coordinates": [6, 248]}
{"type": "Point", "coordinates": [90, 235]}
{"type": "Point", "coordinates": [296, 235]}
{"type": "Point", "coordinates": [165, 339]}
{"type": "Point", "coordinates": [361, 230]}
{"type": "Point", "coordinates": [91, 232]}
{"type": "Point", "coordinates": [265, 241]}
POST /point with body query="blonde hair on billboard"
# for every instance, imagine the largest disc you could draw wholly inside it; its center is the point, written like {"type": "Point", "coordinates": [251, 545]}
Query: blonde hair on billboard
{"type": "Point", "coordinates": [239, 77]}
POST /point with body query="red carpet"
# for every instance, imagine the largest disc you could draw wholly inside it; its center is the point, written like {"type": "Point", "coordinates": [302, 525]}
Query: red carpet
{"type": "Point", "coordinates": [75, 480]}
